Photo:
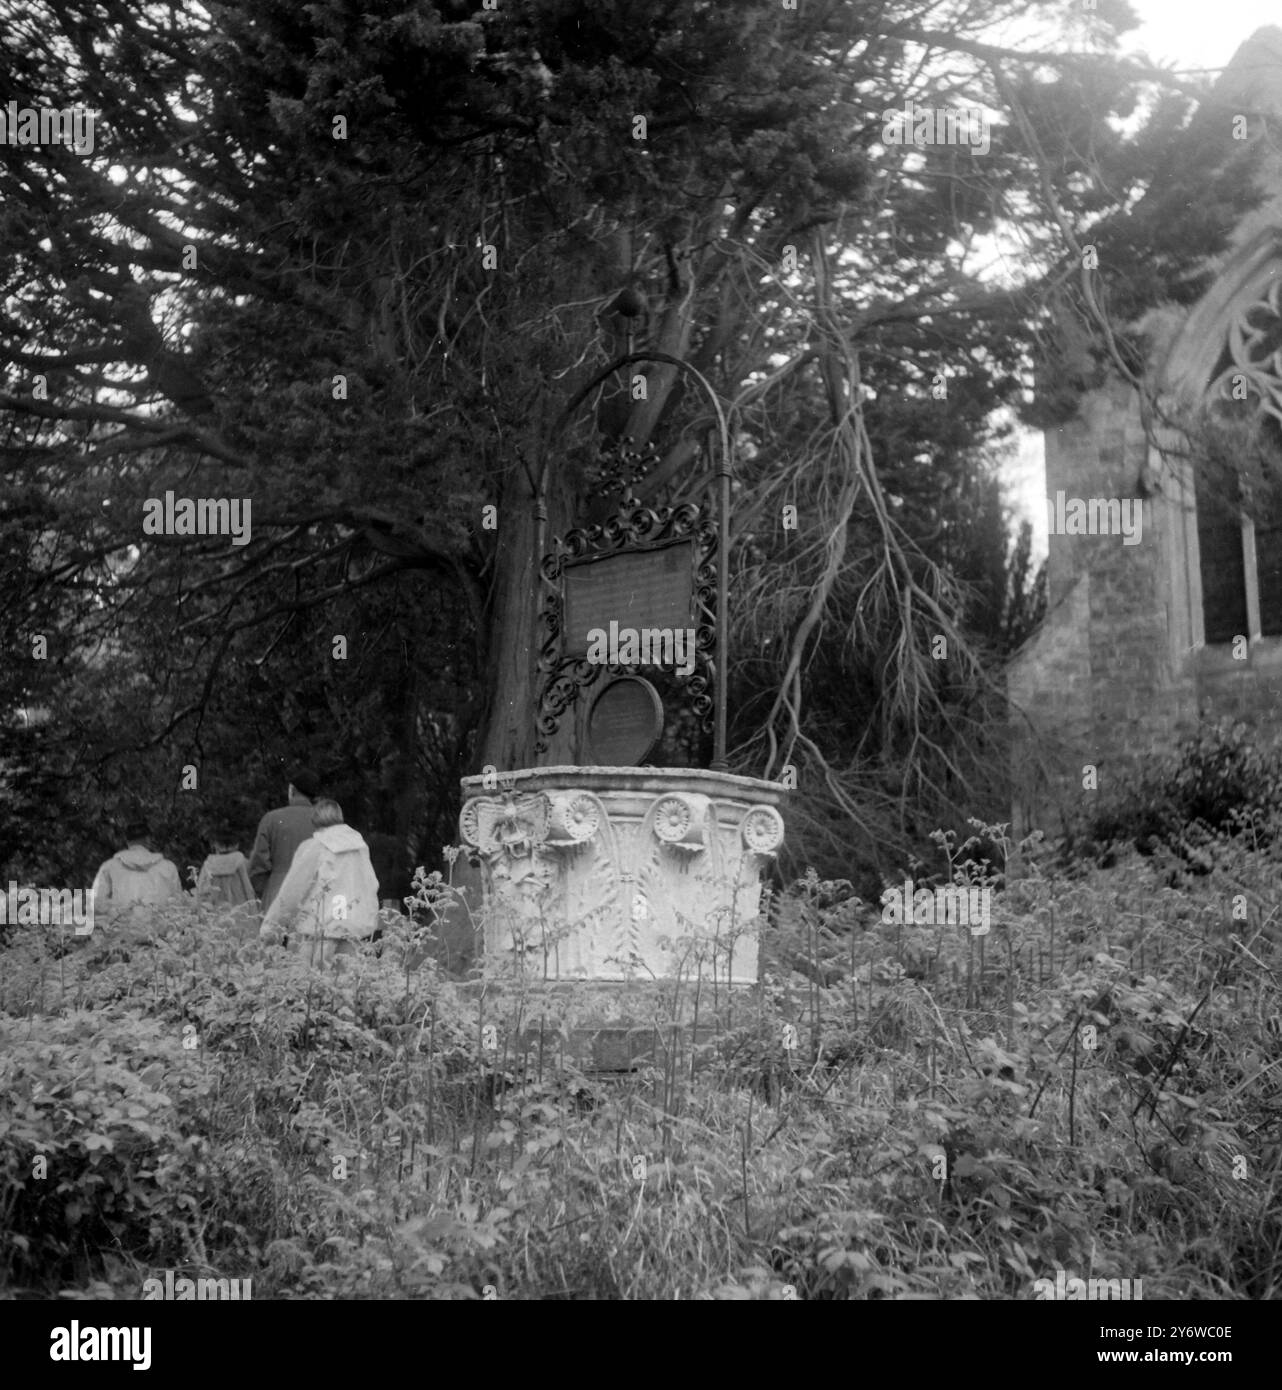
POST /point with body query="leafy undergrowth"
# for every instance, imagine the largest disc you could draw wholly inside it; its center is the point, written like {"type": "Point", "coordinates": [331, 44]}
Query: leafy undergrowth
{"type": "Point", "coordinates": [897, 1112]}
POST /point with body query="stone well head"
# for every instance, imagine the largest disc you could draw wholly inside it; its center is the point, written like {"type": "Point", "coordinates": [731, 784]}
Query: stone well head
{"type": "Point", "coordinates": [624, 873]}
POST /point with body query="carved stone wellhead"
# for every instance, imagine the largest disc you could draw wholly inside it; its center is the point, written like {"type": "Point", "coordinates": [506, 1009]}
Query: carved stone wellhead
{"type": "Point", "coordinates": [611, 874]}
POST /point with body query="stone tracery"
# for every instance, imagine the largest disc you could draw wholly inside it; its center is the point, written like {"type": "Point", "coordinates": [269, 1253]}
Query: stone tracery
{"type": "Point", "coordinates": [1253, 345]}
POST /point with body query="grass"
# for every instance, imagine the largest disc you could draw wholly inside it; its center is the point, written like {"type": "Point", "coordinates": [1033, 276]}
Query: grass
{"type": "Point", "coordinates": [895, 1112]}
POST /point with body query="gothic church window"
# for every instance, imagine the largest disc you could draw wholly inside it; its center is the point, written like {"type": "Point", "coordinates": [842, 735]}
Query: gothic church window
{"type": "Point", "coordinates": [1239, 519]}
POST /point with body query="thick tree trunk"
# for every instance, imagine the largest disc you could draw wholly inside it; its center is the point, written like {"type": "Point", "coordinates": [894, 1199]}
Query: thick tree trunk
{"type": "Point", "coordinates": [508, 734]}
{"type": "Point", "coordinates": [509, 731]}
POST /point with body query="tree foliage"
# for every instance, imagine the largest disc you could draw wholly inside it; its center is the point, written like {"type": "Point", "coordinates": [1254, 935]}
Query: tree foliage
{"type": "Point", "coordinates": [362, 265]}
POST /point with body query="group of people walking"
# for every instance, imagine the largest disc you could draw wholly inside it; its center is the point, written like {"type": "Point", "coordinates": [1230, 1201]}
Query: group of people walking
{"type": "Point", "coordinates": [309, 874]}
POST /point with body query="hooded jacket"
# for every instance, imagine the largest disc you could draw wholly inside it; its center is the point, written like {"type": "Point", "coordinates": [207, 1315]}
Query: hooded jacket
{"type": "Point", "coordinates": [330, 890]}
{"type": "Point", "coordinates": [135, 877]}
{"type": "Point", "coordinates": [224, 882]}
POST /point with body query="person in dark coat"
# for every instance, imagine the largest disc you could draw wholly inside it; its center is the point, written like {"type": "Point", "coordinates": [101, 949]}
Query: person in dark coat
{"type": "Point", "coordinates": [280, 832]}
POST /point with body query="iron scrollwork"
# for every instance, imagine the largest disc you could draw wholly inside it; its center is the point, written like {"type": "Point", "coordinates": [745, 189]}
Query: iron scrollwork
{"type": "Point", "coordinates": [634, 528]}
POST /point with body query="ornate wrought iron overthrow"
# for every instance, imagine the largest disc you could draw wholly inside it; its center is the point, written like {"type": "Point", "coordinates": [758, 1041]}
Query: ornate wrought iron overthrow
{"type": "Point", "coordinates": [635, 529]}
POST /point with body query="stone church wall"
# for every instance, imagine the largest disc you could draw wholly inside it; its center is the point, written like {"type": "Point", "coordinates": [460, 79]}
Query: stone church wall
{"type": "Point", "coordinates": [1096, 681]}
{"type": "Point", "coordinates": [1121, 667]}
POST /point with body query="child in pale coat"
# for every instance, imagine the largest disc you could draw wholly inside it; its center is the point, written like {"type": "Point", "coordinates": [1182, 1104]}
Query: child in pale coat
{"type": "Point", "coordinates": [135, 880]}
{"type": "Point", "coordinates": [223, 882]}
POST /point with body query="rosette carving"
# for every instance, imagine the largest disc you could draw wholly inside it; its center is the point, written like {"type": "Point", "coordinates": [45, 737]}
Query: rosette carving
{"type": "Point", "coordinates": [679, 821]}
{"type": "Point", "coordinates": [574, 819]}
{"type": "Point", "coordinates": [763, 830]}
{"type": "Point", "coordinates": [672, 818]}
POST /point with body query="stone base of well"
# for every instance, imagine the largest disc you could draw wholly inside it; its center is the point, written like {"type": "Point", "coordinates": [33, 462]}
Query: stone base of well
{"type": "Point", "coordinates": [623, 874]}
{"type": "Point", "coordinates": [535, 1028]}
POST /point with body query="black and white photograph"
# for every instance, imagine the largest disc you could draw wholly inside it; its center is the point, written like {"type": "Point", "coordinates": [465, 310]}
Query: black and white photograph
{"type": "Point", "coordinates": [640, 661]}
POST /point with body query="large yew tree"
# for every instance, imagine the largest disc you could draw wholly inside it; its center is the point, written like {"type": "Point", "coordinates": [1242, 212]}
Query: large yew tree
{"type": "Point", "coordinates": [392, 271]}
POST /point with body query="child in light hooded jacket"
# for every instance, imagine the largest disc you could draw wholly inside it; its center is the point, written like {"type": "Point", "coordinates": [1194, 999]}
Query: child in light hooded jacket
{"type": "Point", "coordinates": [223, 882]}
{"type": "Point", "coordinates": [329, 899]}
{"type": "Point", "coordinates": [136, 877]}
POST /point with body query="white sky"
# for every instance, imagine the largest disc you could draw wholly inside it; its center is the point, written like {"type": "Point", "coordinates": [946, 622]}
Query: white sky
{"type": "Point", "coordinates": [1192, 35]}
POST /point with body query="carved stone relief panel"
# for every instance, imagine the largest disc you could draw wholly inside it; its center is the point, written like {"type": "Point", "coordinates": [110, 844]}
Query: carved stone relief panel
{"type": "Point", "coordinates": [613, 874]}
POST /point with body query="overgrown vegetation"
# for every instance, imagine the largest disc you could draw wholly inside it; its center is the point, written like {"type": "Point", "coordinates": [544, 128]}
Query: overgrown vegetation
{"type": "Point", "coordinates": [896, 1112]}
{"type": "Point", "coordinates": [1223, 777]}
